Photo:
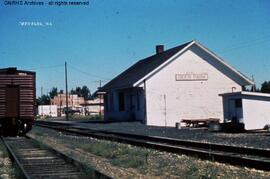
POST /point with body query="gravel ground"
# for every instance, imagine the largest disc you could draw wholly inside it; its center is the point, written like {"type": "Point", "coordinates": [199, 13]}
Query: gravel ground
{"type": "Point", "coordinates": [255, 140]}
{"type": "Point", "coordinates": [6, 168]}
{"type": "Point", "coordinates": [125, 161]}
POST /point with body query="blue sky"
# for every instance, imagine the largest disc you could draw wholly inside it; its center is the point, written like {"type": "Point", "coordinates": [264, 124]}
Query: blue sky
{"type": "Point", "coordinates": [101, 40]}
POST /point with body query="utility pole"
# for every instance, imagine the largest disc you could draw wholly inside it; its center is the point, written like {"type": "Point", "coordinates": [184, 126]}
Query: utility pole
{"type": "Point", "coordinates": [253, 88]}
{"type": "Point", "coordinates": [99, 95]}
{"type": "Point", "coordinates": [66, 91]}
{"type": "Point", "coordinates": [165, 111]}
{"type": "Point", "coordinates": [41, 102]}
{"type": "Point", "coordinates": [100, 100]}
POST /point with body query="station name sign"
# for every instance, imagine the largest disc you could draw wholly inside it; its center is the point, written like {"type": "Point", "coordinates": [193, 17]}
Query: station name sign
{"type": "Point", "coordinates": [191, 77]}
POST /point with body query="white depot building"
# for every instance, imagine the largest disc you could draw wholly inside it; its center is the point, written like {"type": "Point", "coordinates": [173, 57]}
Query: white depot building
{"type": "Point", "coordinates": [183, 82]}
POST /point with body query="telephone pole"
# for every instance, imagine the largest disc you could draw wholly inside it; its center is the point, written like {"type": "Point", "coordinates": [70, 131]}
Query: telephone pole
{"type": "Point", "coordinates": [99, 100]}
{"type": "Point", "coordinates": [42, 103]}
{"type": "Point", "coordinates": [99, 95]}
{"type": "Point", "coordinates": [66, 91]}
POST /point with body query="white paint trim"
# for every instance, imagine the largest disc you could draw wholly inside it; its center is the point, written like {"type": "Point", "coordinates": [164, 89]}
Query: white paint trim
{"type": "Point", "coordinates": [246, 93]}
{"type": "Point", "coordinates": [163, 64]}
{"type": "Point", "coordinates": [184, 49]}
{"type": "Point", "coordinates": [224, 63]}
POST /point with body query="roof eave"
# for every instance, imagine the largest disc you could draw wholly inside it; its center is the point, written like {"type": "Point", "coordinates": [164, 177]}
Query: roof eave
{"type": "Point", "coordinates": [140, 81]}
{"type": "Point", "coordinates": [246, 79]}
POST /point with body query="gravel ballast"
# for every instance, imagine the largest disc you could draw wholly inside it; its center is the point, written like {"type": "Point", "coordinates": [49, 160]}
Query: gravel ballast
{"type": "Point", "coordinates": [126, 161]}
{"type": "Point", "coordinates": [7, 169]}
{"type": "Point", "coordinates": [254, 140]}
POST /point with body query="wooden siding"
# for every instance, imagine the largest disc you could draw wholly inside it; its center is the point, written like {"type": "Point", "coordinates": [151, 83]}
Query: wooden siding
{"type": "Point", "coordinates": [26, 84]}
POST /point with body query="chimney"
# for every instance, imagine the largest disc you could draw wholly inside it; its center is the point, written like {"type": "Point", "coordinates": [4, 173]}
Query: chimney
{"type": "Point", "coordinates": [159, 49]}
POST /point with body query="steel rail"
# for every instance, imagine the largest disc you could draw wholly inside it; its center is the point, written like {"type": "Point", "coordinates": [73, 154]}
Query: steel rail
{"type": "Point", "coordinates": [172, 141]}
{"type": "Point", "coordinates": [79, 168]}
{"type": "Point", "coordinates": [14, 158]}
{"type": "Point", "coordinates": [91, 171]}
{"type": "Point", "coordinates": [249, 157]}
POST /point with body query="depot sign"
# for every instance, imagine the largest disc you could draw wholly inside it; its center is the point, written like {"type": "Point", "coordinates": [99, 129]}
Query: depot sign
{"type": "Point", "coordinates": [191, 77]}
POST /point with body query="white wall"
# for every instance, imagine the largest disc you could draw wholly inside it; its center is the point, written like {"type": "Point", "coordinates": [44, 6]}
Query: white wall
{"type": "Point", "coordinates": [256, 112]}
{"type": "Point", "coordinates": [187, 99]}
{"type": "Point", "coordinates": [47, 110]}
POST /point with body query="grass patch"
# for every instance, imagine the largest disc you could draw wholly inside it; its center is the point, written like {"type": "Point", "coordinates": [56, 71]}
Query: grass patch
{"type": "Point", "coordinates": [119, 154]}
{"type": "Point", "coordinates": [146, 162]}
{"type": "Point", "coordinates": [136, 158]}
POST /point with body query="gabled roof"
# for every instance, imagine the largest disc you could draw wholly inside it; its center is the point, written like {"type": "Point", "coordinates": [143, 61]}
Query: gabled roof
{"type": "Point", "coordinates": [144, 68]}
{"type": "Point", "coordinates": [137, 71]}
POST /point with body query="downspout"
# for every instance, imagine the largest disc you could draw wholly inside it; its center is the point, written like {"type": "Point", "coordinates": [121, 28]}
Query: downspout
{"type": "Point", "coordinates": [145, 109]}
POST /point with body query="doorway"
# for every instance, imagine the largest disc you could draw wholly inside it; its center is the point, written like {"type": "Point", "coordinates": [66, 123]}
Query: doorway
{"type": "Point", "coordinates": [236, 110]}
{"type": "Point", "coordinates": [12, 101]}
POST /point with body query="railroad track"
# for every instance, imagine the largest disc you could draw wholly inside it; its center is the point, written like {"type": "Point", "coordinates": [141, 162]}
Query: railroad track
{"type": "Point", "coordinates": [248, 157]}
{"type": "Point", "coordinates": [35, 160]}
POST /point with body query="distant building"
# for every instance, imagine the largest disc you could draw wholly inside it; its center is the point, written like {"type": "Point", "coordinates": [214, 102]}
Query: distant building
{"type": "Point", "coordinates": [47, 110]}
{"type": "Point", "coordinates": [183, 82]}
{"type": "Point", "coordinates": [94, 106]}
{"type": "Point", "coordinates": [74, 102]}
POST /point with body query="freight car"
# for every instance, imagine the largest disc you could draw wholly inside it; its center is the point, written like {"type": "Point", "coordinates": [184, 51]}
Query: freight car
{"type": "Point", "coordinates": [17, 101]}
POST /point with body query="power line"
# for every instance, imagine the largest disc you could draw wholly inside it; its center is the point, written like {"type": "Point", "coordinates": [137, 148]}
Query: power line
{"type": "Point", "coordinates": [88, 74]}
{"type": "Point", "coordinates": [46, 67]}
{"type": "Point", "coordinates": [247, 44]}
{"type": "Point", "coordinates": [253, 40]}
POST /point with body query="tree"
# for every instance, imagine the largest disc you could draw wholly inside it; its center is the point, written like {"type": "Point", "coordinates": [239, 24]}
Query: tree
{"type": "Point", "coordinates": [82, 92]}
{"type": "Point", "coordinates": [53, 92]}
{"type": "Point", "coordinates": [265, 87]}
{"type": "Point", "coordinates": [85, 92]}
{"type": "Point", "coordinates": [78, 91]}
{"type": "Point", "coordinates": [43, 100]}
{"type": "Point", "coordinates": [72, 91]}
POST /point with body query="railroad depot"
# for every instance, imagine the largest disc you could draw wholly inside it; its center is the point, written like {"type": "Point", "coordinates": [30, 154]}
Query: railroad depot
{"type": "Point", "coordinates": [181, 83]}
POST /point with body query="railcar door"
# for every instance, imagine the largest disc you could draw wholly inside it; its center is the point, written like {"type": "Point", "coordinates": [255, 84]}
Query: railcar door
{"type": "Point", "coordinates": [12, 101]}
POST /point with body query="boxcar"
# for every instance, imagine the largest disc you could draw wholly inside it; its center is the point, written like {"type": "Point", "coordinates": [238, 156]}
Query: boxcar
{"type": "Point", "coordinates": [17, 100]}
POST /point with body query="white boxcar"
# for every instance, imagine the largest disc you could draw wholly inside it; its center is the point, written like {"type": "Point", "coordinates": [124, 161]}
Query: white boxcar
{"type": "Point", "coordinates": [249, 108]}
{"type": "Point", "coordinates": [47, 110]}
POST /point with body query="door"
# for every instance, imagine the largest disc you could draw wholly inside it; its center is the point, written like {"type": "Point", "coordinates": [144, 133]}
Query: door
{"type": "Point", "coordinates": [235, 110]}
{"type": "Point", "coordinates": [232, 110]}
{"type": "Point", "coordinates": [239, 110]}
{"type": "Point", "coordinates": [12, 101]}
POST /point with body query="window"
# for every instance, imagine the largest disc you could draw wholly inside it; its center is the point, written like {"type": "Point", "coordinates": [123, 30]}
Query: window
{"type": "Point", "coordinates": [121, 101]}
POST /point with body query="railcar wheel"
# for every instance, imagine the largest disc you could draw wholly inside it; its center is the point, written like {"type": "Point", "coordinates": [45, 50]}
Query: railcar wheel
{"type": "Point", "coordinates": [24, 128]}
